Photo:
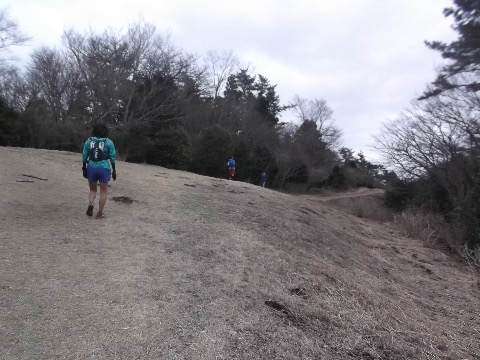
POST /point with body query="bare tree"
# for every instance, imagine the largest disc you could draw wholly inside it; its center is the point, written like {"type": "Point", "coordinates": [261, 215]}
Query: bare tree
{"type": "Point", "coordinates": [10, 34]}
{"type": "Point", "coordinates": [11, 83]}
{"type": "Point", "coordinates": [10, 78]}
{"type": "Point", "coordinates": [219, 66]}
{"type": "Point", "coordinates": [165, 75]}
{"type": "Point", "coordinates": [461, 108]}
{"type": "Point", "coordinates": [431, 132]}
{"type": "Point", "coordinates": [105, 63]}
{"type": "Point", "coordinates": [318, 111]}
{"type": "Point", "coordinates": [55, 78]}
{"type": "Point", "coordinates": [137, 75]}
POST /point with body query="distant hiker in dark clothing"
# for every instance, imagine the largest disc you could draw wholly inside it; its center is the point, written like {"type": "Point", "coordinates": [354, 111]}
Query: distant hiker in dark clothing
{"type": "Point", "coordinates": [231, 167]}
{"type": "Point", "coordinates": [98, 150]}
{"type": "Point", "coordinates": [263, 178]}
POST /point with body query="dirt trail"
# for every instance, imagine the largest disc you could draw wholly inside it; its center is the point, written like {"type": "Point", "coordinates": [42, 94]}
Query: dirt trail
{"type": "Point", "coordinates": [350, 194]}
{"type": "Point", "coordinates": [192, 267]}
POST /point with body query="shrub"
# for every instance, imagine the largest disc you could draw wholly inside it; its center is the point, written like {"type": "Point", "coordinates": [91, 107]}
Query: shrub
{"type": "Point", "coordinates": [171, 149]}
{"type": "Point", "coordinates": [337, 179]}
{"type": "Point", "coordinates": [399, 195]}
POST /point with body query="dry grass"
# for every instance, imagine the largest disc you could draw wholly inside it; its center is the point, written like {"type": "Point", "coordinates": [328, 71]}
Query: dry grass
{"type": "Point", "coordinates": [434, 231]}
{"type": "Point", "coordinates": [471, 256]}
{"type": "Point", "coordinates": [201, 268]}
{"type": "Point", "coordinates": [427, 227]}
{"type": "Point", "coordinates": [430, 228]}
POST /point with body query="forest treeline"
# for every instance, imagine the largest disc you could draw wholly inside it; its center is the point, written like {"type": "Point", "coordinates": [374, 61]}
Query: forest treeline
{"type": "Point", "coordinates": [167, 107]}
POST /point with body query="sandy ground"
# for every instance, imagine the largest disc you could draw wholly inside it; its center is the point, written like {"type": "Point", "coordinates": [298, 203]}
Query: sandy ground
{"type": "Point", "coordinates": [191, 267]}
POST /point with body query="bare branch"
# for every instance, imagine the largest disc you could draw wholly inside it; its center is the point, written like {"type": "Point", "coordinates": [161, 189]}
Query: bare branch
{"type": "Point", "coordinates": [318, 111]}
{"type": "Point", "coordinates": [10, 34]}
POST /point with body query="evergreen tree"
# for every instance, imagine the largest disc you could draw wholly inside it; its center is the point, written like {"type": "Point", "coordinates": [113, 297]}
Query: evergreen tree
{"type": "Point", "coordinates": [268, 102]}
{"type": "Point", "coordinates": [211, 152]}
{"type": "Point", "coordinates": [463, 54]}
{"type": "Point", "coordinates": [240, 86]}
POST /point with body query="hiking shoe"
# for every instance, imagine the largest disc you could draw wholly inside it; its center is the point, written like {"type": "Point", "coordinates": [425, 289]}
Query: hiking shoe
{"type": "Point", "coordinates": [90, 210]}
{"type": "Point", "coordinates": [100, 215]}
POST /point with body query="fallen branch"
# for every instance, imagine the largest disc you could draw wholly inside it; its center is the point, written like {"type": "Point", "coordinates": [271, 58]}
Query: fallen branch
{"type": "Point", "coordinates": [35, 177]}
{"type": "Point", "coordinates": [29, 181]}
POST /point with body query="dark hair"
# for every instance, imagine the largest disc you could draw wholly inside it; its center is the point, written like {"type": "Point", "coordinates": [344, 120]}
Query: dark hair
{"type": "Point", "coordinates": [100, 130]}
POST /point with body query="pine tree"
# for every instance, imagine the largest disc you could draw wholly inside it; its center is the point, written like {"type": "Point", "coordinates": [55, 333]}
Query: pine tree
{"type": "Point", "coordinates": [463, 54]}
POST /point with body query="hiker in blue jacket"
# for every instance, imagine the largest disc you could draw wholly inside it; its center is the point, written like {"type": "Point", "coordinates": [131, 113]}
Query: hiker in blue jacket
{"type": "Point", "coordinates": [231, 167]}
{"type": "Point", "coordinates": [98, 150]}
{"type": "Point", "coordinates": [263, 178]}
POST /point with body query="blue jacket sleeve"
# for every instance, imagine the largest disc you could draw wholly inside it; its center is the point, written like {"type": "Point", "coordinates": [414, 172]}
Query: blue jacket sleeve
{"type": "Point", "coordinates": [111, 153]}
{"type": "Point", "coordinates": [85, 151]}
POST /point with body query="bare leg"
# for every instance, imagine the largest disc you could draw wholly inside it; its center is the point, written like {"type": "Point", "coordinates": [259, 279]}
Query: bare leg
{"type": "Point", "coordinates": [92, 193]}
{"type": "Point", "coordinates": [103, 196]}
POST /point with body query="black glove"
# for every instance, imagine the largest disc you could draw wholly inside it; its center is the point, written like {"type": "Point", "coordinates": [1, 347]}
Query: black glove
{"type": "Point", "coordinates": [114, 173]}
{"type": "Point", "coordinates": [84, 169]}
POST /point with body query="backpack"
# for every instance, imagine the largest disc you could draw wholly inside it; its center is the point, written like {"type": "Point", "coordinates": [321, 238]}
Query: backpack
{"type": "Point", "coordinates": [95, 153]}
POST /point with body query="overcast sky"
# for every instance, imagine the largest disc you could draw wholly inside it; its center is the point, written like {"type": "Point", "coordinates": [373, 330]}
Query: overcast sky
{"type": "Point", "coordinates": [366, 58]}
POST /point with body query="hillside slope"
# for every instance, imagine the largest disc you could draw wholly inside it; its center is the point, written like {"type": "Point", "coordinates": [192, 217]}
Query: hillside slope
{"type": "Point", "coordinates": [192, 267]}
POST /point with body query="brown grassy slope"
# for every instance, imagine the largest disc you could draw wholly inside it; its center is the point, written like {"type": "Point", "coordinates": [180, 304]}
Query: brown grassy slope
{"type": "Point", "coordinates": [203, 268]}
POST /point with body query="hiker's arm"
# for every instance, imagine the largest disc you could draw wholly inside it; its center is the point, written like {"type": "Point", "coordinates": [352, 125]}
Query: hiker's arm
{"type": "Point", "coordinates": [114, 173]}
{"type": "Point", "coordinates": [84, 160]}
{"type": "Point", "coordinates": [84, 170]}
{"type": "Point", "coordinates": [85, 152]}
{"type": "Point", "coordinates": [112, 154]}
{"type": "Point", "coordinates": [112, 160]}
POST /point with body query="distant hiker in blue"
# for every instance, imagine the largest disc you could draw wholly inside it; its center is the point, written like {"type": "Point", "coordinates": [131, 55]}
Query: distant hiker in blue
{"type": "Point", "coordinates": [263, 178]}
{"type": "Point", "coordinates": [98, 149]}
{"type": "Point", "coordinates": [231, 167]}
